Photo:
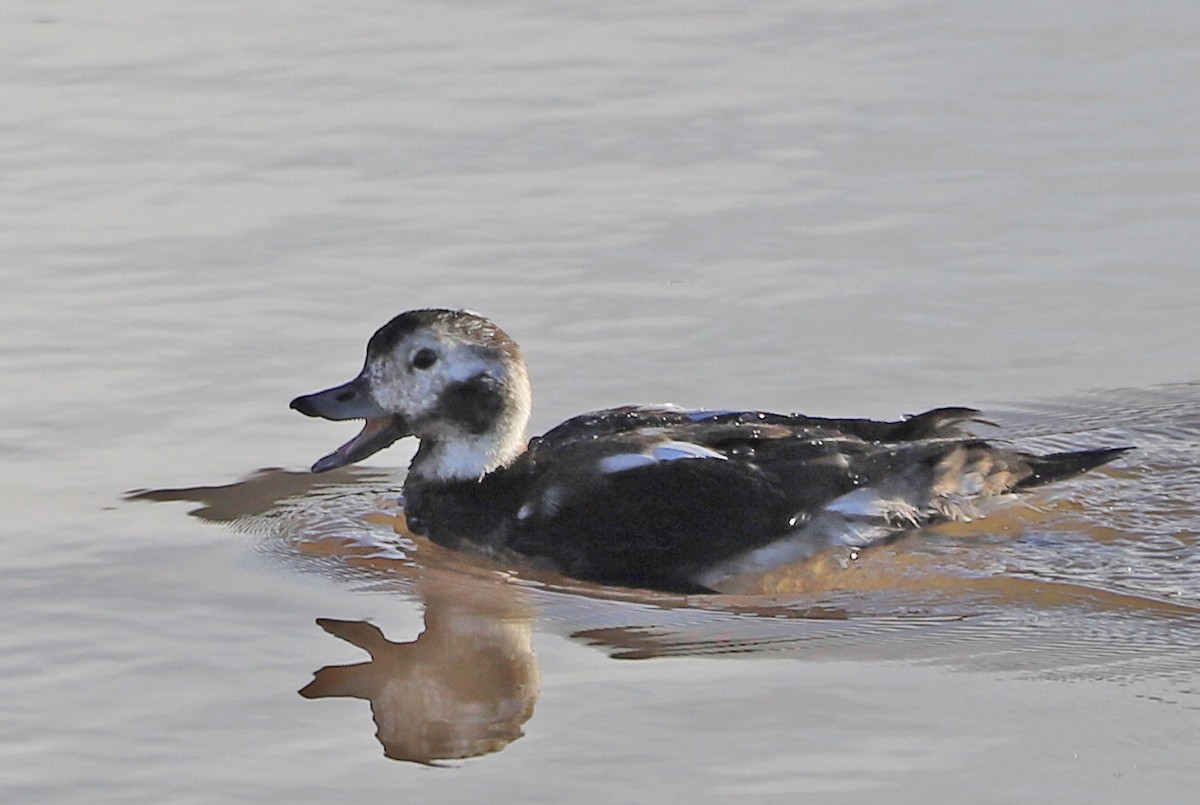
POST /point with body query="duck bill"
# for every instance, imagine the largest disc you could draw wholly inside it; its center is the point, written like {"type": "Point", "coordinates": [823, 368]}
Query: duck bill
{"type": "Point", "coordinates": [352, 400]}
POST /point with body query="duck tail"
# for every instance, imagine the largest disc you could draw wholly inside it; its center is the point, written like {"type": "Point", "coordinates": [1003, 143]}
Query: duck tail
{"type": "Point", "coordinates": [1057, 466]}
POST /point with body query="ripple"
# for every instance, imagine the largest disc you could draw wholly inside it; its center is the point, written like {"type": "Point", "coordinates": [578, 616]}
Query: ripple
{"type": "Point", "coordinates": [1095, 579]}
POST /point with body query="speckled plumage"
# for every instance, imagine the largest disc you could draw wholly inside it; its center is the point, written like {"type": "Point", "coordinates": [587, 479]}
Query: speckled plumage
{"type": "Point", "coordinates": [651, 496]}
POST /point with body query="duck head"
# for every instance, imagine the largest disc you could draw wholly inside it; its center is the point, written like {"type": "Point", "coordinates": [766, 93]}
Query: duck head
{"type": "Point", "coordinates": [451, 378]}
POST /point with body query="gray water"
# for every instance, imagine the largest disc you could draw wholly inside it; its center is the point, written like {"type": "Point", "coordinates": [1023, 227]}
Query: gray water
{"type": "Point", "coordinates": [863, 208]}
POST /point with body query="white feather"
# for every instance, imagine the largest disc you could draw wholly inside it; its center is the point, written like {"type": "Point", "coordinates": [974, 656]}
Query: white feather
{"type": "Point", "coordinates": [868, 502]}
{"type": "Point", "coordinates": [825, 531]}
{"type": "Point", "coordinates": [621, 462]}
{"type": "Point", "coordinates": [669, 451]}
{"type": "Point", "coordinates": [663, 451]}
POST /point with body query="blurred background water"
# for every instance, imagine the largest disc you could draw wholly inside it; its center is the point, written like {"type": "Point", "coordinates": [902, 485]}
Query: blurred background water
{"type": "Point", "coordinates": [863, 208]}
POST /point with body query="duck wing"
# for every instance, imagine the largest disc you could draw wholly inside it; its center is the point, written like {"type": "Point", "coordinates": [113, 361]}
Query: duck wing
{"type": "Point", "coordinates": [676, 499]}
{"type": "Point", "coordinates": [710, 426]}
{"type": "Point", "coordinates": [620, 511]}
{"type": "Point", "coordinates": [819, 455]}
{"type": "Point", "coordinates": [650, 496]}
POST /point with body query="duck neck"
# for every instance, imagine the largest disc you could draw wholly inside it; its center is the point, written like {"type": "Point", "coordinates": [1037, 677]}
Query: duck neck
{"type": "Point", "coordinates": [465, 457]}
{"type": "Point", "coordinates": [478, 428]}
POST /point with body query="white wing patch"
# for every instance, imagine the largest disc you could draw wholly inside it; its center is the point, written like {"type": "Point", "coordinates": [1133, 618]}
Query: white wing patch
{"type": "Point", "coordinates": [621, 462]}
{"type": "Point", "coordinates": [669, 451]}
{"type": "Point", "coordinates": [663, 451]}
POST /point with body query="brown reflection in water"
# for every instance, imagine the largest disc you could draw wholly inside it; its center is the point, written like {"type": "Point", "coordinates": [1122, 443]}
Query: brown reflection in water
{"type": "Point", "coordinates": [950, 576]}
{"type": "Point", "coordinates": [948, 595]}
{"type": "Point", "coordinates": [463, 688]}
{"type": "Point", "coordinates": [257, 494]}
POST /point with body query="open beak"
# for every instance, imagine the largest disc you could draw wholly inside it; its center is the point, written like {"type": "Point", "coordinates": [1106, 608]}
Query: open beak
{"type": "Point", "coordinates": [352, 400]}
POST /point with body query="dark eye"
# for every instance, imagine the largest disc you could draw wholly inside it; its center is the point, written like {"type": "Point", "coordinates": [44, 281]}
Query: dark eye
{"type": "Point", "coordinates": [424, 358]}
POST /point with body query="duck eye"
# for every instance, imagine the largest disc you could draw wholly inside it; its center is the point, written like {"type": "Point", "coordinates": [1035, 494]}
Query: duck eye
{"type": "Point", "coordinates": [424, 358]}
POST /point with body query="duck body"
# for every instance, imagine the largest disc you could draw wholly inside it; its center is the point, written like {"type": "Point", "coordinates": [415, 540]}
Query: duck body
{"type": "Point", "coordinates": [651, 496]}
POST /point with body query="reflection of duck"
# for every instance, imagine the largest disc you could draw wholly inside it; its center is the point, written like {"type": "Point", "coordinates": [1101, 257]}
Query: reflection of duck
{"type": "Point", "coordinates": [463, 688]}
{"type": "Point", "coordinates": [650, 496]}
{"type": "Point", "coordinates": [257, 494]}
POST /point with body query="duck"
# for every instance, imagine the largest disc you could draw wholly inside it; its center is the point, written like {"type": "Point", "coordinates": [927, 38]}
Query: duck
{"type": "Point", "coordinates": [657, 497]}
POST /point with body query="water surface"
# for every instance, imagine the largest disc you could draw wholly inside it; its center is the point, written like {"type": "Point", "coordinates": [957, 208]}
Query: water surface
{"type": "Point", "coordinates": [863, 208]}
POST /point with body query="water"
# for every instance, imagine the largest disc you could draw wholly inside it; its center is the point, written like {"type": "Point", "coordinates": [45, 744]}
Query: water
{"type": "Point", "coordinates": [846, 209]}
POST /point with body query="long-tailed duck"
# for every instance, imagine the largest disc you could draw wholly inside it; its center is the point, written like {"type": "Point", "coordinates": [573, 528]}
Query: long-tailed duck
{"type": "Point", "coordinates": [650, 496]}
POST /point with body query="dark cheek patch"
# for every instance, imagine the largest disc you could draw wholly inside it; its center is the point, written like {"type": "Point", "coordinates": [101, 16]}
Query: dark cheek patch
{"type": "Point", "coordinates": [474, 405]}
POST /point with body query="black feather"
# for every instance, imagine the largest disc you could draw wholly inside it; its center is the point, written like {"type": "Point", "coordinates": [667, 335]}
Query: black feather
{"type": "Point", "coordinates": [1057, 466]}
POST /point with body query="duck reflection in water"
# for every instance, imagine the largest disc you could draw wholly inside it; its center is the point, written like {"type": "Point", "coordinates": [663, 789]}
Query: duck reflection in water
{"type": "Point", "coordinates": [462, 689]}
